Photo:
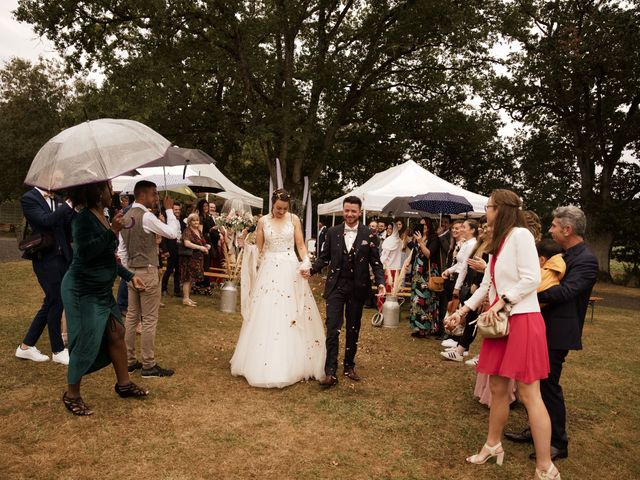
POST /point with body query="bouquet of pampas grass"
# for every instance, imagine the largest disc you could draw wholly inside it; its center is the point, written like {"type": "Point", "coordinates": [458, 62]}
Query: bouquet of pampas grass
{"type": "Point", "coordinates": [399, 281]}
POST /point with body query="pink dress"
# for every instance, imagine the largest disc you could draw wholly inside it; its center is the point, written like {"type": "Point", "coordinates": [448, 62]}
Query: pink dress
{"type": "Point", "coordinates": [522, 355]}
{"type": "Point", "coordinates": [482, 390]}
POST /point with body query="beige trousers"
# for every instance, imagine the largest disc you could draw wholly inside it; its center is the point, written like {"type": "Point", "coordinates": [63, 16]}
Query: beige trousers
{"type": "Point", "coordinates": [143, 305]}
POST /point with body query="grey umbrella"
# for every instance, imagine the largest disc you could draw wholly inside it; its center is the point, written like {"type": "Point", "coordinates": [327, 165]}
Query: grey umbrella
{"type": "Point", "coordinates": [205, 184]}
{"type": "Point", "coordinates": [178, 156]}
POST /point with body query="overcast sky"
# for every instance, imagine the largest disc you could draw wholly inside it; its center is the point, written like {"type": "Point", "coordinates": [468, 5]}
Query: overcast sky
{"type": "Point", "coordinates": [18, 39]}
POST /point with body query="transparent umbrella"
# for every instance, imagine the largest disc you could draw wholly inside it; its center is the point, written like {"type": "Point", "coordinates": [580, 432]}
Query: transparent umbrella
{"type": "Point", "coordinates": [95, 151]}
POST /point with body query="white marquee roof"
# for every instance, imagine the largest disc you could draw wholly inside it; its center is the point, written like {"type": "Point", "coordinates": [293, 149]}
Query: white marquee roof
{"type": "Point", "coordinates": [402, 180]}
{"type": "Point", "coordinates": [231, 189]}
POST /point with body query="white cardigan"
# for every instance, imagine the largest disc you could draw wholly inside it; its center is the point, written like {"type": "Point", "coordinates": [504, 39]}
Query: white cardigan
{"type": "Point", "coordinates": [517, 274]}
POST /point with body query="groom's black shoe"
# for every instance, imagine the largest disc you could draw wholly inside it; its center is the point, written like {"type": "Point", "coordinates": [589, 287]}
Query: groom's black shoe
{"type": "Point", "coordinates": [555, 453]}
{"type": "Point", "coordinates": [351, 373]}
{"type": "Point", "coordinates": [520, 437]}
{"type": "Point", "coordinates": [328, 381]}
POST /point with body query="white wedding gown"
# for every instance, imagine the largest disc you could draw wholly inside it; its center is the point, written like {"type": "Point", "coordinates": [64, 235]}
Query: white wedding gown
{"type": "Point", "coordinates": [282, 340]}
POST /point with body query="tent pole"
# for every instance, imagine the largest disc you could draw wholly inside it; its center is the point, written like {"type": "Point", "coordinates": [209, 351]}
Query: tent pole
{"type": "Point", "coordinates": [333, 221]}
{"type": "Point", "coordinates": [364, 216]}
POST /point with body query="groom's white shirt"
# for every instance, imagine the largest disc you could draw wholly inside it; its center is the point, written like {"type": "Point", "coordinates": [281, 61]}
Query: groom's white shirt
{"type": "Point", "coordinates": [350, 235]}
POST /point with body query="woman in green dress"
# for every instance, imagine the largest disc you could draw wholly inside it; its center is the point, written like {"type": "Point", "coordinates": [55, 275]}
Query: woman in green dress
{"type": "Point", "coordinates": [94, 323]}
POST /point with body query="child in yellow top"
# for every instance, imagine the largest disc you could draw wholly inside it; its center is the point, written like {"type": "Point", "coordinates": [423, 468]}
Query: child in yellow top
{"type": "Point", "coordinates": [552, 266]}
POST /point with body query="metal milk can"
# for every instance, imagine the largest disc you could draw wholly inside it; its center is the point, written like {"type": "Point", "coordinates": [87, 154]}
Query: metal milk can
{"type": "Point", "coordinates": [391, 312]}
{"type": "Point", "coordinates": [229, 297]}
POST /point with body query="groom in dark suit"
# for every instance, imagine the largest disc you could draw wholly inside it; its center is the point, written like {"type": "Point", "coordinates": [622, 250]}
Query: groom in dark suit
{"type": "Point", "coordinates": [47, 214]}
{"type": "Point", "coordinates": [349, 249]}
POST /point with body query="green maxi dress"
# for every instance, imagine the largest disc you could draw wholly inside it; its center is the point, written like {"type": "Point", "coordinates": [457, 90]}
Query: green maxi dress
{"type": "Point", "coordinates": [87, 294]}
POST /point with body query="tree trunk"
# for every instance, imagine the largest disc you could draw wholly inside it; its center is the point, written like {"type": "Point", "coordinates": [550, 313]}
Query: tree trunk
{"type": "Point", "coordinates": [600, 242]}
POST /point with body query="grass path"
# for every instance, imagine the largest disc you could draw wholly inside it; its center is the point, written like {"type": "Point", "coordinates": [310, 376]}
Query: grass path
{"type": "Point", "coordinates": [412, 417]}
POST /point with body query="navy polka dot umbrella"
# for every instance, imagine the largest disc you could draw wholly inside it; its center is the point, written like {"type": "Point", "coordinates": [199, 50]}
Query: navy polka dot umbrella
{"type": "Point", "coordinates": [441, 202]}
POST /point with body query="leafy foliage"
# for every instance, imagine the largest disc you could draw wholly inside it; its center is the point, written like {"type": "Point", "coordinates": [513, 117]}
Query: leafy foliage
{"type": "Point", "coordinates": [299, 81]}
{"type": "Point", "coordinates": [34, 104]}
{"type": "Point", "coordinates": [575, 83]}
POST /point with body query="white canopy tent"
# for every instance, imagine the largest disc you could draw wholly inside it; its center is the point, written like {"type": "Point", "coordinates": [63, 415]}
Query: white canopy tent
{"type": "Point", "coordinates": [406, 179]}
{"type": "Point", "coordinates": [231, 190]}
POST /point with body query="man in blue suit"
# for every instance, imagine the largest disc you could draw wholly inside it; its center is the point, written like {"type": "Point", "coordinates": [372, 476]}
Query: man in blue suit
{"type": "Point", "coordinates": [47, 215]}
{"type": "Point", "coordinates": [564, 310]}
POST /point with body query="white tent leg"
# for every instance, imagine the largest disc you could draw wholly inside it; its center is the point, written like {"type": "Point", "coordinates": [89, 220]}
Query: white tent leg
{"type": "Point", "coordinates": [333, 220]}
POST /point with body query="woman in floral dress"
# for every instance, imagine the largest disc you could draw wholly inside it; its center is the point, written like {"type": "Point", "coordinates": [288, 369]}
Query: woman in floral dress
{"type": "Point", "coordinates": [423, 317]}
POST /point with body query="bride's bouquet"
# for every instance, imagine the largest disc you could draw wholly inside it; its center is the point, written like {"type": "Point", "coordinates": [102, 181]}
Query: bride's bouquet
{"type": "Point", "coordinates": [235, 222]}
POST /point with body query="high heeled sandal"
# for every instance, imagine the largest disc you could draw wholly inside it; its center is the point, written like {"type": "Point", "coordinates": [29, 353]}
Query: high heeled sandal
{"type": "Point", "coordinates": [548, 475]}
{"type": "Point", "coordinates": [130, 390]}
{"type": "Point", "coordinates": [76, 406]}
{"type": "Point", "coordinates": [478, 459]}
{"type": "Point", "coordinates": [189, 303]}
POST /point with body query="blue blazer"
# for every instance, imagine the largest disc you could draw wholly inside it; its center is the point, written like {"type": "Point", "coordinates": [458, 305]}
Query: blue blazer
{"type": "Point", "coordinates": [567, 303]}
{"type": "Point", "coordinates": [43, 220]}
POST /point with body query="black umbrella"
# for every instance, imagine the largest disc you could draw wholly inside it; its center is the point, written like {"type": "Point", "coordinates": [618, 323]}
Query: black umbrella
{"type": "Point", "coordinates": [441, 202]}
{"type": "Point", "coordinates": [399, 207]}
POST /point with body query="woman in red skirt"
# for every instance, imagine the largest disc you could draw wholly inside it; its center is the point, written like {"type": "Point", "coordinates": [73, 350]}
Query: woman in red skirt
{"type": "Point", "coordinates": [511, 282]}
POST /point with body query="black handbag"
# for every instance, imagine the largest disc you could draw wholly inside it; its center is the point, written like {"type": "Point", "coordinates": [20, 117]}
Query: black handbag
{"type": "Point", "coordinates": [36, 245]}
{"type": "Point", "coordinates": [184, 251]}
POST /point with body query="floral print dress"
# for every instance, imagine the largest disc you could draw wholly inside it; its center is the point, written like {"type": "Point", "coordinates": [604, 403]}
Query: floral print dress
{"type": "Point", "coordinates": [192, 266]}
{"type": "Point", "coordinates": [424, 313]}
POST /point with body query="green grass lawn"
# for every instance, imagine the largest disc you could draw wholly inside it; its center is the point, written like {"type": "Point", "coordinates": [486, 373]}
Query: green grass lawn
{"type": "Point", "coordinates": [412, 417]}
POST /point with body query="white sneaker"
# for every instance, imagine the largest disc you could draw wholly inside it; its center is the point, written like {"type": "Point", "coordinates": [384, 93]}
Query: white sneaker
{"type": "Point", "coordinates": [61, 357]}
{"type": "Point", "coordinates": [452, 349]}
{"type": "Point", "coordinates": [31, 353]}
{"type": "Point", "coordinates": [449, 342]}
{"type": "Point", "coordinates": [452, 355]}
{"type": "Point", "coordinates": [473, 361]}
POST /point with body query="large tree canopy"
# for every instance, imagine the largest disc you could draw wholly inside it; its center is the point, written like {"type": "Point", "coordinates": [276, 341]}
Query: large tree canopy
{"type": "Point", "coordinates": [301, 81]}
{"type": "Point", "coordinates": [575, 83]}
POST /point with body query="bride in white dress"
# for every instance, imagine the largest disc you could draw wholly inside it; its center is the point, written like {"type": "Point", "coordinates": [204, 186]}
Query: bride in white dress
{"type": "Point", "coordinates": [282, 339]}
